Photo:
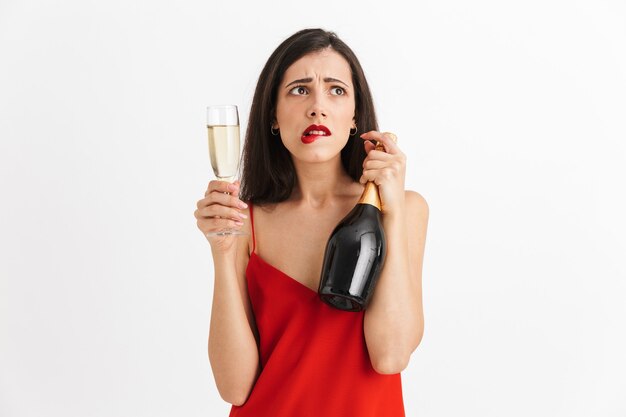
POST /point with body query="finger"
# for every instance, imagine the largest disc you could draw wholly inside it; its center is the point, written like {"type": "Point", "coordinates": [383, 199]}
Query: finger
{"type": "Point", "coordinates": [369, 146]}
{"type": "Point", "coordinates": [221, 186]}
{"type": "Point", "coordinates": [369, 164]}
{"type": "Point", "coordinates": [375, 155]}
{"type": "Point", "coordinates": [216, 211]}
{"type": "Point", "coordinates": [371, 135]}
{"type": "Point", "coordinates": [224, 199]}
{"type": "Point", "coordinates": [220, 199]}
{"type": "Point", "coordinates": [219, 224]}
{"type": "Point", "coordinates": [384, 139]}
{"type": "Point", "coordinates": [370, 175]}
{"type": "Point", "coordinates": [391, 147]}
{"type": "Point", "coordinates": [378, 176]}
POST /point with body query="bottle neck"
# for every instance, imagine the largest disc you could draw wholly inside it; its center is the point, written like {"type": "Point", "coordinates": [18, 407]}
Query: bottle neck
{"type": "Point", "coordinates": [370, 196]}
{"type": "Point", "coordinates": [370, 193]}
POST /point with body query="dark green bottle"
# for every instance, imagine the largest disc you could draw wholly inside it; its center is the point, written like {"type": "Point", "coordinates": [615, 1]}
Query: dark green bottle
{"type": "Point", "coordinates": [355, 254]}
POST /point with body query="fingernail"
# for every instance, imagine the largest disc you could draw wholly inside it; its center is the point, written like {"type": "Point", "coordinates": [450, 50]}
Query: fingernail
{"type": "Point", "coordinates": [243, 216]}
{"type": "Point", "coordinates": [243, 205]}
{"type": "Point", "coordinates": [238, 223]}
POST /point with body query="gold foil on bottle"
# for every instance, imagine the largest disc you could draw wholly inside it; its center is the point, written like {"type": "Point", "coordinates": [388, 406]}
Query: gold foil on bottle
{"type": "Point", "coordinates": [370, 193]}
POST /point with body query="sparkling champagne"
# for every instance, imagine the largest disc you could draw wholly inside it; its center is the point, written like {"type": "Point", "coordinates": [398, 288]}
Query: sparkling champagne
{"type": "Point", "coordinates": [224, 151]}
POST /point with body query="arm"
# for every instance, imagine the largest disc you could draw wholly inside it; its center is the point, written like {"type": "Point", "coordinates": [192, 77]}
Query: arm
{"type": "Point", "coordinates": [232, 345]}
{"type": "Point", "coordinates": [394, 320]}
{"type": "Point", "coordinates": [233, 350]}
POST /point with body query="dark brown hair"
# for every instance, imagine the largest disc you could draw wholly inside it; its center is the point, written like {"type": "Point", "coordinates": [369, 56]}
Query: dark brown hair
{"type": "Point", "coordinates": [268, 173]}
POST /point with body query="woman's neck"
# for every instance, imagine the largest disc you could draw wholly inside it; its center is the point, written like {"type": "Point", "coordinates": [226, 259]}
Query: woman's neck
{"type": "Point", "coordinates": [320, 185]}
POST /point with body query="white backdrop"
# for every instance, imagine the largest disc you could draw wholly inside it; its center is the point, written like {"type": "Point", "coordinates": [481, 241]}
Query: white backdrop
{"type": "Point", "coordinates": [512, 117]}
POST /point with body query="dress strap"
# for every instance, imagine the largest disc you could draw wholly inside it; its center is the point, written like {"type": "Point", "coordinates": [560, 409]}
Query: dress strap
{"type": "Point", "coordinates": [252, 226]}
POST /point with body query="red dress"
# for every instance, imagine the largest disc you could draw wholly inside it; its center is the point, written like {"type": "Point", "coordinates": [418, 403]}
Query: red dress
{"type": "Point", "coordinates": [314, 360]}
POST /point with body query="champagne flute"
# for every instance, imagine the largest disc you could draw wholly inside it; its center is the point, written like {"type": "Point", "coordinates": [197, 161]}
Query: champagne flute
{"type": "Point", "coordinates": [223, 126]}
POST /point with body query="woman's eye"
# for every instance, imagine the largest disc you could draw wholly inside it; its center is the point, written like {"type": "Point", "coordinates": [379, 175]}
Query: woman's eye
{"type": "Point", "coordinates": [298, 91]}
{"type": "Point", "coordinates": [337, 91]}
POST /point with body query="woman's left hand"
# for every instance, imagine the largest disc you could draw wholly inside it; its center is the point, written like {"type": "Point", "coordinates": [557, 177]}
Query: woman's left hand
{"type": "Point", "coordinates": [386, 169]}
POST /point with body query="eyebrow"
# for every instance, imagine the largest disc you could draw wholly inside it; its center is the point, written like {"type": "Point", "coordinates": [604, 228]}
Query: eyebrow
{"type": "Point", "coordinates": [308, 80]}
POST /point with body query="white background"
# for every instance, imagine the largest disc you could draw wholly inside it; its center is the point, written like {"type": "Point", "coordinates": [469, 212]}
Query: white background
{"type": "Point", "coordinates": [512, 115]}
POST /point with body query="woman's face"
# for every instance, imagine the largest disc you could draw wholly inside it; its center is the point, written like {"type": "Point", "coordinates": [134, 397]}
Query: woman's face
{"type": "Point", "coordinates": [316, 90]}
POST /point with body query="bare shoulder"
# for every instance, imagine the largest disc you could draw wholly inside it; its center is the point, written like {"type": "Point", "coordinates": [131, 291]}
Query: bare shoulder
{"type": "Point", "coordinates": [416, 205]}
{"type": "Point", "coordinates": [417, 212]}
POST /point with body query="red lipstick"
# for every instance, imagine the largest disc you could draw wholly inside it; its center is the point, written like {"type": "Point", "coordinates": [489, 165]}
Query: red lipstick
{"type": "Point", "coordinates": [314, 132]}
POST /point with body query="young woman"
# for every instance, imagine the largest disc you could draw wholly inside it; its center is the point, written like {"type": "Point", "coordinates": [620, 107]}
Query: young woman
{"type": "Point", "coordinates": [275, 348]}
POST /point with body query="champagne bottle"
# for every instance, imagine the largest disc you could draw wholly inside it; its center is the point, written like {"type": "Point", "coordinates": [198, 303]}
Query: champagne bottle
{"type": "Point", "coordinates": [355, 254]}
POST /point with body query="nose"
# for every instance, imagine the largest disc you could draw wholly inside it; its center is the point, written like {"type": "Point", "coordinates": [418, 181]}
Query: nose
{"type": "Point", "coordinates": [317, 108]}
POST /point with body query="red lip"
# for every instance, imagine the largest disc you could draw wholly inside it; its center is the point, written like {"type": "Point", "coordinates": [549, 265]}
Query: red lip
{"type": "Point", "coordinates": [306, 138]}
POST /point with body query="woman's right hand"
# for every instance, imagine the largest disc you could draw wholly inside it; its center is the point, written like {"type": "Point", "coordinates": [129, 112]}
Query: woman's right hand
{"type": "Point", "coordinates": [220, 209]}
